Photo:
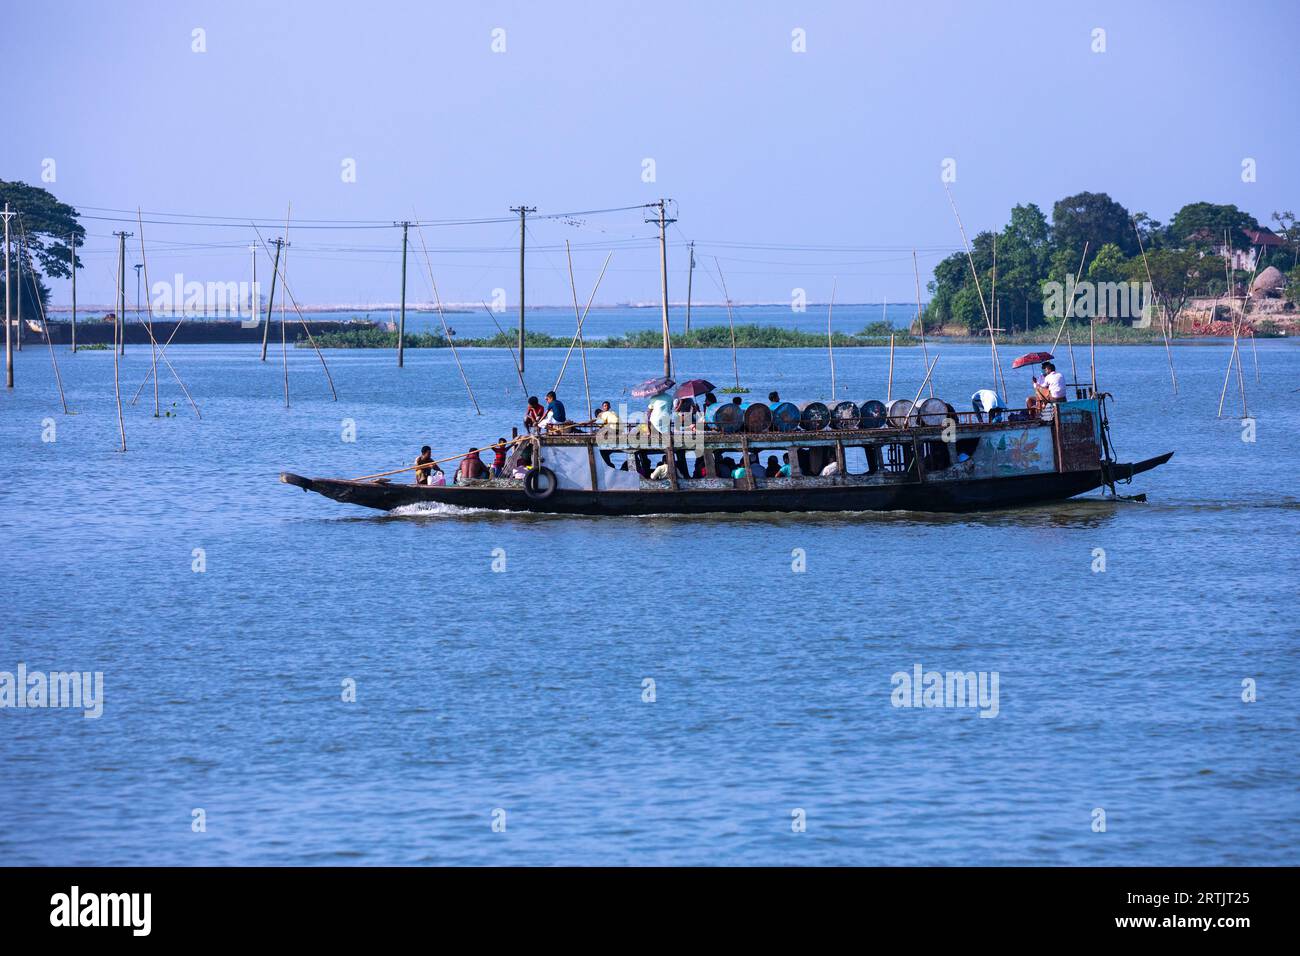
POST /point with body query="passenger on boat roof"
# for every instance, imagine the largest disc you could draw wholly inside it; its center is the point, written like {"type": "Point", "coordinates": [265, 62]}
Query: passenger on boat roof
{"type": "Point", "coordinates": [534, 413]}
{"type": "Point", "coordinates": [425, 459]}
{"type": "Point", "coordinates": [471, 468]}
{"type": "Point", "coordinates": [606, 416]}
{"type": "Point", "coordinates": [554, 412]}
{"type": "Point", "coordinates": [499, 459]}
{"type": "Point", "coordinates": [1052, 387]}
{"type": "Point", "coordinates": [773, 397]}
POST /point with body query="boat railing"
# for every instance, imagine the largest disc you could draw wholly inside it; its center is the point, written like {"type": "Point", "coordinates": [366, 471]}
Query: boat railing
{"type": "Point", "coordinates": [928, 422]}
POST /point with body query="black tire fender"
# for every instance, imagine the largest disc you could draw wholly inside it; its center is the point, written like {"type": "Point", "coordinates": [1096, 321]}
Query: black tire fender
{"type": "Point", "coordinates": [533, 487]}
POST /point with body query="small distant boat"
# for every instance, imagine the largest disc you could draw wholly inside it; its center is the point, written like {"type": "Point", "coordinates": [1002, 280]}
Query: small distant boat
{"type": "Point", "coordinates": [923, 459]}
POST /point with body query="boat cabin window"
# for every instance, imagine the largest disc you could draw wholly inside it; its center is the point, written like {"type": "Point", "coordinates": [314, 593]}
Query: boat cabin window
{"type": "Point", "coordinates": [615, 458]}
{"type": "Point", "coordinates": [966, 448]}
{"type": "Point", "coordinates": [896, 458]}
{"type": "Point", "coordinates": [861, 459]}
{"type": "Point", "coordinates": [812, 461]}
{"type": "Point", "coordinates": [935, 455]}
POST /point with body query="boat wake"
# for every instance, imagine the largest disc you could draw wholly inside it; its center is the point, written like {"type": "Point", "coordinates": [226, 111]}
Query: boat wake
{"type": "Point", "coordinates": [436, 509]}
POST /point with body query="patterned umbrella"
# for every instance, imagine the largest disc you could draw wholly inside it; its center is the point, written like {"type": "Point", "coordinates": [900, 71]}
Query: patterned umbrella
{"type": "Point", "coordinates": [653, 387]}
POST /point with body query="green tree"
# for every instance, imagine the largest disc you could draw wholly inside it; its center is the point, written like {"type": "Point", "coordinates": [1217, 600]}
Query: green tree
{"type": "Point", "coordinates": [49, 225]}
{"type": "Point", "coordinates": [40, 233]}
{"type": "Point", "coordinates": [1201, 225]}
{"type": "Point", "coordinates": [1176, 275]}
{"type": "Point", "coordinates": [1093, 218]}
{"type": "Point", "coordinates": [1110, 265]}
{"type": "Point", "coordinates": [1289, 229]}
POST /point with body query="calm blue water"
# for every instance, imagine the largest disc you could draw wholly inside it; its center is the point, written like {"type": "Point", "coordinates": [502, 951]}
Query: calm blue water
{"type": "Point", "coordinates": [617, 320]}
{"type": "Point", "coordinates": [522, 690]}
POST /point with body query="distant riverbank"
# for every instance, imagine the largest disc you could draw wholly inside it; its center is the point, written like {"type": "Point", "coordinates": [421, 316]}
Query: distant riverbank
{"type": "Point", "coordinates": [720, 337]}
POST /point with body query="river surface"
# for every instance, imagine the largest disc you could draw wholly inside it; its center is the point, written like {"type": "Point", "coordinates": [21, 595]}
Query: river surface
{"type": "Point", "coordinates": [228, 614]}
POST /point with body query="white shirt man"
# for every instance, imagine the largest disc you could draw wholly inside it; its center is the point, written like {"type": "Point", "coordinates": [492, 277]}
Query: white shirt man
{"type": "Point", "coordinates": [1052, 387]}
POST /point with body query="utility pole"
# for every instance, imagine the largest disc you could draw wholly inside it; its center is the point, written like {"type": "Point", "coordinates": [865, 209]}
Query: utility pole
{"type": "Point", "coordinates": [121, 288]}
{"type": "Point", "coordinates": [9, 331]}
{"type": "Point", "coordinates": [523, 232]}
{"type": "Point", "coordinates": [270, 299]}
{"type": "Point", "coordinates": [690, 274]}
{"type": "Point", "coordinates": [401, 322]}
{"type": "Point", "coordinates": [138, 266]}
{"type": "Point", "coordinates": [72, 247]}
{"type": "Point", "coordinates": [663, 222]}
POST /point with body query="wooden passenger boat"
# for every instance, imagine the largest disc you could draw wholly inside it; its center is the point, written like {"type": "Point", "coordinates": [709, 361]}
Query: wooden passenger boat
{"type": "Point", "coordinates": [967, 463]}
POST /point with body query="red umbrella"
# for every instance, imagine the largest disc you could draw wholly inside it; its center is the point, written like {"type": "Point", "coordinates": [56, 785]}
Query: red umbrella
{"type": "Point", "coordinates": [1033, 358]}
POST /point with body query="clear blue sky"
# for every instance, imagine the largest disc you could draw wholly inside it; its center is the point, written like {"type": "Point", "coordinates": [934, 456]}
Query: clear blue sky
{"type": "Point", "coordinates": [839, 147]}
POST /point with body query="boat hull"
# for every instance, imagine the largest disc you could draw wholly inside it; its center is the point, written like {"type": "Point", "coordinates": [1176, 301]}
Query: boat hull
{"type": "Point", "coordinates": [971, 494]}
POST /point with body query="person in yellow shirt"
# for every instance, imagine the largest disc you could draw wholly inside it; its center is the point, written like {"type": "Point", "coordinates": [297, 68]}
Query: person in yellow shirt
{"type": "Point", "coordinates": [606, 416]}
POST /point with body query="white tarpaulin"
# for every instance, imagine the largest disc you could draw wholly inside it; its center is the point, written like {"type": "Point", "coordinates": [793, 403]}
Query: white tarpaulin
{"type": "Point", "coordinates": [572, 470]}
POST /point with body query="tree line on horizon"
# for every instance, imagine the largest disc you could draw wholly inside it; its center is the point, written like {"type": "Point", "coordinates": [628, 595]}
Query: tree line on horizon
{"type": "Point", "coordinates": [1183, 257]}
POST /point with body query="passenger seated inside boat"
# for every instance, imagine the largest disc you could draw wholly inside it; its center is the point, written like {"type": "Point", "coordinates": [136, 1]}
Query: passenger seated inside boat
{"type": "Point", "coordinates": [785, 470]}
{"type": "Point", "coordinates": [425, 459]}
{"type": "Point", "coordinates": [661, 470]}
{"type": "Point", "coordinates": [523, 462]}
{"type": "Point", "coordinates": [471, 468]}
{"type": "Point", "coordinates": [773, 467]}
{"type": "Point", "coordinates": [832, 469]}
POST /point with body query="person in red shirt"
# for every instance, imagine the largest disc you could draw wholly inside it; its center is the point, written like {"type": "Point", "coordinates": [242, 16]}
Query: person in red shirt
{"type": "Point", "coordinates": [534, 413]}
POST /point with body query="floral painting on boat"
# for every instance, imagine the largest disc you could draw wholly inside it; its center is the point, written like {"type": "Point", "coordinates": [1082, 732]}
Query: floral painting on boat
{"type": "Point", "coordinates": [1015, 454]}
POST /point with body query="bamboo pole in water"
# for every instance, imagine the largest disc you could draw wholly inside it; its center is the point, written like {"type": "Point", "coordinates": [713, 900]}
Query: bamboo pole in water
{"type": "Point", "coordinates": [153, 343]}
{"type": "Point", "coordinates": [117, 385]}
{"type": "Point", "coordinates": [1069, 306]}
{"type": "Point", "coordinates": [988, 320]}
{"type": "Point", "coordinates": [735, 365]}
{"type": "Point", "coordinates": [567, 355]}
{"type": "Point", "coordinates": [1092, 352]}
{"type": "Point", "coordinates": [419, 229]}
{"type": "Point", "coordinates": [1074, 369]}
{"type": "Point", "coordinates": [920, 318]}
{"type": "Point", "coordinates": [582, 348]}
{"type": "Point", "coordinates": [302, 320]}
{"type": "Point", "coordinates": [830, 338]}
{"type": "Point", "coordinates": [1164, 324]}
{"type": "Point", "coordinates": [925, 381]}
{"type": "Point", "coordinates": [510, 348]}
{"type": "Point", "coordinates": [889, 383]}
{"type": "Point", "coordinates": [40, 310]}
{"type": "Point", "coordinates": [284, 344]}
